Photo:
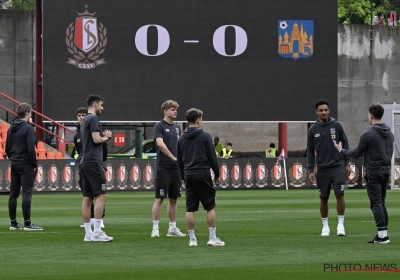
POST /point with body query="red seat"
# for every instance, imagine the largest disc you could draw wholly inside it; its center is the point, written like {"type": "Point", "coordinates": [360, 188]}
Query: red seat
{"type": "Point", "coordinates": [50, 155]}
{"type": "Point", "coordinates": [3, 127]}
{"type": "Point", "coordinates": [59, 155]}
{"type": "Point", "coordinates": [41, 147]}
{"type": "Point", "coordinates": [41, 155]}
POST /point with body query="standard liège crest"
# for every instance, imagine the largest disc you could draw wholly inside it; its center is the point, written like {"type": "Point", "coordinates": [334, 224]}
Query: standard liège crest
{"type": "Point", "coordinates": [262, 175]}
{"type": "Point", "coordinates": [122, 177]}
{"type": "Point", "coordinates": [53, 177]}
{"type": "Point", "coordinates": [223, 175]}
{"type": "Point", "coordinates": [67, 178]}
{"type": "Point", "coordinates": [110, 176]}
{"type": "Point", "coordinates": [248, 175]}
{"type": "Point", "coordinates": [353, 176]}
{"type": "Point", "coordinates": [86, 41]}
{"type": "Point", "coordinates": [236, 175]}
{"type": "Point", "coordinates": [295, 38]}
{"type": "Point", "coordinates": [39, 179]}
{"type": "Point", "coordinates": [135, 176]}
{"type": "Point", "coordinates": [8, 177]}
{"type": "Point", "coordinates": [297, 175]}
{"type": "Point", "coordinates": [148, 176]}
{"type": "Point", "coordinates": [277, 175]}
{"type": "Point", "coordinates": [396, 176]}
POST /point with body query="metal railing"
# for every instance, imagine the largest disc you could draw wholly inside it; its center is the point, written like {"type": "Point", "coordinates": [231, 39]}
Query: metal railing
{"type": "Point", "coordinates": [60, 135]}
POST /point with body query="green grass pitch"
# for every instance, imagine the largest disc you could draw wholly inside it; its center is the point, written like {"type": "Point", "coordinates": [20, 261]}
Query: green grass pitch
{"type": "Point", "coordinates": [271, 234]}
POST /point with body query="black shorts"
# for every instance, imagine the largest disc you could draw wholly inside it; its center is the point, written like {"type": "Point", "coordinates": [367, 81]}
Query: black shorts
{"type": "Point", "coordinates": [94, 179]}
{"type": "Point", "coordinates": [199, 188]}
{"type": "Point", "coordinates": [334, 177]}
{"type": "Point", "coordinates": [168, 183]}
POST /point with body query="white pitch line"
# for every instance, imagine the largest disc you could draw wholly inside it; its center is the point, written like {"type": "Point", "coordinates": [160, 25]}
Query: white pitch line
{"type": "Point", "coordinates": [191, 41]}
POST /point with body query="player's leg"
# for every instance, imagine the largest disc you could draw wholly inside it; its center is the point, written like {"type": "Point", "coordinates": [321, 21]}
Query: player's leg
{"type": "Point", "coordinates": [324, 188]}
{"type": "Point", "coordinates": [374, 191]}
{"type": "Point", "coordinates": [206, 192]}
{"type": "Point", "coordinates": [339, 181]}
{"type": "Point", "coordinates": [159, 186]}
{"type": "Point", "coordinates": [192, 205]}
{"type": "Point", "coordinates": [173, 185]}
{"type": "Point", "coordinates": [27, 183]}
{"type": "Point", "coordinates": [94, 175]}
{"type": "Point", "coordinates": [15, 188]}
{"type": "Point", "coordinates": [86, 203]}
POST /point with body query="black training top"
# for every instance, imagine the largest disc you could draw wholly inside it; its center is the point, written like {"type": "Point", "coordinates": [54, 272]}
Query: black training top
{"type": "Point", "coordinates": [92, 152]}
{"type": "Point", "coordinates": [20, 143]}
{"type": "Point", "coordinates": [196, 153]}
{"type": "Point", "coordinates": [376, 145]}
{"type": "Point", "coordinates": [319, 139]}
{"type": "Point", "coordinates": [170, 134]}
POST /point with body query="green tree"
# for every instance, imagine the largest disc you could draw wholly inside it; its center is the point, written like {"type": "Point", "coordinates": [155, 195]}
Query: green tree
{"type": "Point", "coordinates": [359, 11]}
{"type": "Point", "coordinates": [21, 4]}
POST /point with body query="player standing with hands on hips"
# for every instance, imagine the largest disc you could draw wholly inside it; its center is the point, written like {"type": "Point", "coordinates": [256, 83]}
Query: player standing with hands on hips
{"type": "Point", "coordinates": [196, 156]}
{"type": "Point", "coordinates": [331, 170]}
{"type": "Point", "coordinates": [376, 146]}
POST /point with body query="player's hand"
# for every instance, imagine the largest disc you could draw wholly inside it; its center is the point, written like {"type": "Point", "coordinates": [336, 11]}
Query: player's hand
{"type": "Point", "coordinates": [311, 176]}
{"type": "Point", "coordinates": [175, 160]}
{"type": "Point", "coordinates": [337, 146]}
{"type": "Point", "coordinates": [216, 181]}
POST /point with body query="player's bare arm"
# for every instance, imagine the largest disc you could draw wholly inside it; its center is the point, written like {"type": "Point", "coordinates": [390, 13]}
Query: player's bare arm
{"type": "Point", "coordinates": [164, 149]}
{"type": "Point", "coordinates": [101, 139]}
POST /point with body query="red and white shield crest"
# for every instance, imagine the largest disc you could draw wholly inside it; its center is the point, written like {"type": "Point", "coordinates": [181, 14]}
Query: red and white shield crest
{"type": "Point", "coordinates": [9, 174]}
{"type": "Point", "coordinates": [53, 174]}
{"type": "Point", "coordinates": [39, 175]}
{"type": "Point", "coordinates": [224, 172]}
{"type": "Point", "coordinates": [277, 171]}
{"type": "Point", "coordinates": [236, 172]}
{"type": "Point", "coordinates": [297, 171]}
{"type": "Point", "coordinates": [148, 174]}
{"type": "Point", "coordinates": [109, 173]}
{"type": "Point", "coordinates": [86, 33]}
{"type": "Point", "coordinates": [396, 172]}
{"type": "Point", "coordinates": [122, 173]}
{"type": "Point", "coordinates": [352, 172]}
{"type": "Point", "coordinates": [67, 174]}
{"type": "Point", "coordinates": [135, 173]}
{"type": "Point", "coordinates": [248, 172]}
{"type": "Point", "coordinates": [212, 174]}
{"type": "Point", "coordinates": [261, 172]}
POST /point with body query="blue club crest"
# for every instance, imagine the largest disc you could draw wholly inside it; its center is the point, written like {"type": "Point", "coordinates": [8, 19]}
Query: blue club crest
{"type": "Point", "coordinates": [295, 38]}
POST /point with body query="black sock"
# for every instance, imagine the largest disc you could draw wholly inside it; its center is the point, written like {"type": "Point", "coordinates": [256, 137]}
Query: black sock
{"type": "Point", "coordinates": [14, 222]}
{"type": "Point", "coordinates": [27, 222]}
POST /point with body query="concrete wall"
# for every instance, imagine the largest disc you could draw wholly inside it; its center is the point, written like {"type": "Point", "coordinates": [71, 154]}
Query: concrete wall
{"type": "Point", "coordinates": [369, 72]}
{"type": "Point", "coordinates": [16, 57]}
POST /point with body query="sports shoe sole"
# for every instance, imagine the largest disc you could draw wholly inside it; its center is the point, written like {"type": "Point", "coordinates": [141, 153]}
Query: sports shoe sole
{"type": "Point", "coordinates": [101, 240]}
{"type": "Point", "coordinates": [87, 239]}
{"type": "Point", "coordinates": [13, 228]}
{"type": "Point", "coordinates": [30, 229]}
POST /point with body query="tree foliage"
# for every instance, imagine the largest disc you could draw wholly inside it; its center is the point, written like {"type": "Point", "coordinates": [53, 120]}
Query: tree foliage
{"type": "Point", "coordinates": [20, 4]}
{"type": "Point", "coordinates": [359, 11]}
